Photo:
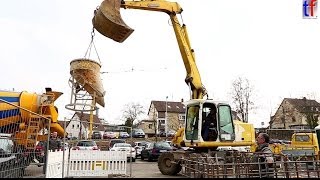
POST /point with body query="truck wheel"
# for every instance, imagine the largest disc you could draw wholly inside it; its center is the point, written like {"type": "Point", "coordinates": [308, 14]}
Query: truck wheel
{"type": "Point", "coordinates": [165, 165]}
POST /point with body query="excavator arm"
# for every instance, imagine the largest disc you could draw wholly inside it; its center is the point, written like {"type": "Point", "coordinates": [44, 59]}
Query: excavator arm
{"type": "Point", "coordinates": [108, 22]}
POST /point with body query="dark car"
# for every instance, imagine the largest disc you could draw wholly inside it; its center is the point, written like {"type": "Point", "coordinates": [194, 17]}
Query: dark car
{"type": "Point", "coordinates": [11, 165]}
{"type": "Point", "coordinates": [138, 133]}
{"type": "Point", "coordinates": [139, 146]}
{"type": "Point", "coordinates": [154, 149]}
{"type": "Point", "coordinates": [96, 135]}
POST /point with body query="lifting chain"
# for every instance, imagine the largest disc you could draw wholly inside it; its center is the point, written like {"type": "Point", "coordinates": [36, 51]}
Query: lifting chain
{"type": "Point", "coordinates": [88, 52]}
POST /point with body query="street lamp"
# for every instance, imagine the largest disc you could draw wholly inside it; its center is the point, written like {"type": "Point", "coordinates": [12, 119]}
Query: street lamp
{"type": "Point", "coordinates": [166, 119]}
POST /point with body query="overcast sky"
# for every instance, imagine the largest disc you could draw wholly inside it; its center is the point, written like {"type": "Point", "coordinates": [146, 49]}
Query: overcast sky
{"type": "Point", "coordinates": [266, 41]}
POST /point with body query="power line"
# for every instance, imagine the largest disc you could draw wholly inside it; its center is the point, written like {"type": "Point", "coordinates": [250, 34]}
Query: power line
{"type": "Point", "coordinates": [134, 70]}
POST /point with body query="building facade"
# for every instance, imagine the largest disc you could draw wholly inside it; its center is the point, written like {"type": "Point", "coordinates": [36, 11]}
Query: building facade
{"type": "Point", "coordinates": [296, 114]}
{"type": "Point", "coordinates": [78, 126]}
{"type": "Point", "coordinates": [162, 114]}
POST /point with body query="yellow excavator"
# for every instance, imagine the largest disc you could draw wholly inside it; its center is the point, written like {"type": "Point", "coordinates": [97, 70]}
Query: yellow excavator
{"type": "Point", "coordinates": [223, 130]}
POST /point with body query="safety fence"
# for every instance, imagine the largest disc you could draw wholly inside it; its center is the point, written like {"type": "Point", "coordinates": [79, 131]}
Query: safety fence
{"type": "Point", "coordinates": [77, 163]}
{"type": "Point", "coordinates": [87, 152]}
{"type": "Point", "coordinates": [249, 165]}
{"type": "Point", "coordinates": [19, 130]}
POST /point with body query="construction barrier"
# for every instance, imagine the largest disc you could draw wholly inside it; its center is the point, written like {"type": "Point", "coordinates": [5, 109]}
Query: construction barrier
{"type": "Point", "coordinates": [86, 163]}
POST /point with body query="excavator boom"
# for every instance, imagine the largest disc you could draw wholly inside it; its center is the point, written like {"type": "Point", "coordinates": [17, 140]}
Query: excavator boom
{"type": "Point", "coordinates": [108, 22]}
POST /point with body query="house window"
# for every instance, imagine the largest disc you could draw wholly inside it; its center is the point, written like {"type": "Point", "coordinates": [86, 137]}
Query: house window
{"type": "Point", "coordinates": [72, 126]}
{"type": "Point", "coordinates": [293, 119]}
{"type": "Point", "coordinates": [181, 116]}
{"type": "Point", "coordinates": [78, 126]}
{"type": "Point", "coordinates": [150, 126]}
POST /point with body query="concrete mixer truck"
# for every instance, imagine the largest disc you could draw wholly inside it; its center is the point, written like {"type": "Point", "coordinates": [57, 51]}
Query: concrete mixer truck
{"type": "Point", "coordinates": [28, 117]}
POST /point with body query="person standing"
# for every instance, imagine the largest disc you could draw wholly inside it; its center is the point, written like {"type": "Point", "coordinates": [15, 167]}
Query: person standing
{"type": "Point", "coordinates": [54, 142]}
{"type": "Point", "coordinates": [264, 155]}
{"type": "Point", "coordinates": [54, 145]}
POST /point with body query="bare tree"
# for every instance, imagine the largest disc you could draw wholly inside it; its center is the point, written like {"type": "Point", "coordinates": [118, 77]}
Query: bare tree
{"type": "Point", "coordinates": [131, 112]}
{"type": "Point", "coordinates": [242, 93]}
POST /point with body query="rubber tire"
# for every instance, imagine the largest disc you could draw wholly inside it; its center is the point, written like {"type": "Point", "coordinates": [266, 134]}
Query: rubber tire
{"type": "Point", "coordinates": [149, 158]}
{"type": "Point", "coordinates": [171, 170]}
{"type": "Point", "coordinates": [142, 158]}
{"type": "Point", "coordinates": [133, 159]}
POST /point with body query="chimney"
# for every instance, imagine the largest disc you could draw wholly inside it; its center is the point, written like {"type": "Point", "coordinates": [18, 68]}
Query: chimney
{"type": "Point", "coordinates": [48, 89]}
{"type": "Point", "coordinates": [181, 99]}
{"type": "Point", "coordinates": [304, 98]}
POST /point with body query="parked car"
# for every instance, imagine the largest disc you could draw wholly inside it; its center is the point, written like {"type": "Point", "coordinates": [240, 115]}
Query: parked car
{"type": "Point", "coordinates": [11, 165]}
{"type": "Point", "coordinates": [154, 149]}
{"type": "Point", "coordinates": [163, 134]}
{"type": "Point", "coordinates": [109, 135]}
{"type": "Point", "coordinates": [141, 143]}
{"type": "Point", "coordinates": [171, 133]}
{"type": "Point", "coordinates": [114, 141]}
{"type": "Point", "coordinates": [131, 152]}
{"type": "Point", "coordinates": [96, 135]}
{"type": "Point", "coordinates": [124, 135]}
{"type": "Point", "coordinates": [86, 145]}
{"type": "Point", "coordinates": [139, 146]}
{"type": "Point", "coordinates": [138, 133]}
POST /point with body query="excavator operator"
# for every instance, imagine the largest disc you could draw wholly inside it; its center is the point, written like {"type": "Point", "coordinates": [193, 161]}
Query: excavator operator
{"type": "Point", "coordinates": [209, 126]}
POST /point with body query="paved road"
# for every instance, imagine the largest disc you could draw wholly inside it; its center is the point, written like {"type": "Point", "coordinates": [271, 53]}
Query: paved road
{"type": "Point", "coordinates": [140, 169]}
{"type": "Point", "coordinates": [145, 169]}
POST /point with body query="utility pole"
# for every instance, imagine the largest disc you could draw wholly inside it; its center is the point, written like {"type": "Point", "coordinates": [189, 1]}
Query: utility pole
{"type": "Point", "coordinates": [166, 119]}
{"type": "Point", "coordinates": [155, 124]}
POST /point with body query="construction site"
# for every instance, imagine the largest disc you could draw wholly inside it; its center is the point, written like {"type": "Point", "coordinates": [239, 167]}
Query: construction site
{"type": "Point", "coordinates": [210, 144]}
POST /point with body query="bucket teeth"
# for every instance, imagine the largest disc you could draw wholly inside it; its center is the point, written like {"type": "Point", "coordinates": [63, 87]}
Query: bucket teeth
{"type": "Point", "coordinates": [107, 21]}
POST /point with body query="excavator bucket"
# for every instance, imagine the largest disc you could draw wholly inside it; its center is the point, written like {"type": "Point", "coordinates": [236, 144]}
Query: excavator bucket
{"type": "Point", "coordinates": [87, 73]}
{"type": "Point", "coordinates": [107, 20]}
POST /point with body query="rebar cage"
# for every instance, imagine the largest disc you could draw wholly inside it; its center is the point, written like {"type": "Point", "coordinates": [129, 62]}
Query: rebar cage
{"type": "Point", "coordinates": [250, 165]}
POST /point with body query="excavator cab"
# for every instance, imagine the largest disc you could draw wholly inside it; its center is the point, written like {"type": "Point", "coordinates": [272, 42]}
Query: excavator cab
{"type": "Point", "coordinates": [107, 21]}
{"type": "Point", "coordinates": [201, 126]}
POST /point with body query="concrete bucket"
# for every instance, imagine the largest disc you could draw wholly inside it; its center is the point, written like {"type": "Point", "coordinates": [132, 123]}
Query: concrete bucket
{"type": "Point", "coordinates": [107, 20]}
{"type": "Point", "coordinates": [86, 72]}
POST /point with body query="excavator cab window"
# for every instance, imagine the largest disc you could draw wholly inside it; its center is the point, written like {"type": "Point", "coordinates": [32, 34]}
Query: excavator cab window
{"type": "Point", "coordinates": [209, 122]}
{"type": "Point", "coordinates": [226, 127]}
{"type": "Point", "coordinates": [192, 122]}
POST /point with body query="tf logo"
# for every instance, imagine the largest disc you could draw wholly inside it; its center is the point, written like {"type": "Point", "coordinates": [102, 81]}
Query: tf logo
{"type": "Point", "coordinates": [309, 9]}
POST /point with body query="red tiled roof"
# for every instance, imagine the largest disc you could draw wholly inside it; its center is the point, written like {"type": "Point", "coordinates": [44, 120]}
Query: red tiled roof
{"type": "Point", "coordinates": [303, 105]}
{"type": "Point", "coordinates": [173, 107]}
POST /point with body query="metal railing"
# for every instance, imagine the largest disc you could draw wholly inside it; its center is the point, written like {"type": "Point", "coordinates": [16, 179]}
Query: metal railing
{"type": "Point", "coordinates": [249, 165]}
